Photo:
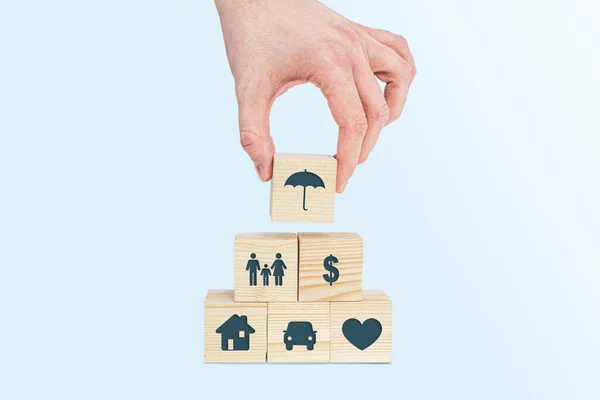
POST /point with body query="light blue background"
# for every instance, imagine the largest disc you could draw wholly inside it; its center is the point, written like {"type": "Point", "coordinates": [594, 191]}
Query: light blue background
{"type": "Point", "coordinates": [122, 186]}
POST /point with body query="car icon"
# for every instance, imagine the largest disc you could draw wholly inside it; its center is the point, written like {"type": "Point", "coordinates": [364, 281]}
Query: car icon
{"type": "Point", "coordinates": [299, 334]}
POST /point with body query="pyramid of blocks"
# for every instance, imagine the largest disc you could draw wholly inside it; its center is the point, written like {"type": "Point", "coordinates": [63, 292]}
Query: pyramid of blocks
{"type": "Point", "coordinates": [298, 297]}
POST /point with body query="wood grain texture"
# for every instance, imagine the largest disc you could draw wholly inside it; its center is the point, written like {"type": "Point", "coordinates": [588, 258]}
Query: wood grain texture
{"type": "Point", "coordinates": [313, 249]}
{"type": "Point", "coordinates": [219, 306]}
{"type": "Point", "coordinates": [287, 201]}
{"type": "Point", "coordinates": [281, 314]}
{"type": "Point", "coordinates": [266, 246]}
{"type": "Point", "coordinates": [375, 304]}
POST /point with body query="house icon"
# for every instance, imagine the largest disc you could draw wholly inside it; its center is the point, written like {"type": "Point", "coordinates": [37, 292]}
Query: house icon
{"type": "Point", "coordinates": [235, 333]}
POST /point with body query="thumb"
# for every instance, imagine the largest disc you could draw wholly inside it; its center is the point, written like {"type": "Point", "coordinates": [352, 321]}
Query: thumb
{"type": "Point", "coordinates": [254, 107]}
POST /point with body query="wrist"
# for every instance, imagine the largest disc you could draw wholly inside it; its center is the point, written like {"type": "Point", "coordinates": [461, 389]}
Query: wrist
{"type": "Point", "coordinates": [221, 4]}
{"type": "Point", "coordinates": [238, 3]}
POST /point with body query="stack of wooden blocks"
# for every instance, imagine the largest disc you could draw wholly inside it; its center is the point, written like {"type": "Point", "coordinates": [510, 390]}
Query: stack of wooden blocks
{"type": "Point", "coordinates": [298, 298]}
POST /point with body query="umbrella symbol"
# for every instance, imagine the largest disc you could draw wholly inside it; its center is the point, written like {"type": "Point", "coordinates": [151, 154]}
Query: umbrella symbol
{"type": "Point", "coordinates": [305, 179]}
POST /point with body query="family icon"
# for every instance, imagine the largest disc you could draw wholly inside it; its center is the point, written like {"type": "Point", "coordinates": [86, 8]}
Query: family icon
{"type": "Point", "coordinates": [253, 266]}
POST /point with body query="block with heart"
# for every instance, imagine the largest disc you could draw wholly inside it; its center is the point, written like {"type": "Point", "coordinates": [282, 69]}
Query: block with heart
{"type": "Point", "coordinates": [330, 267]}
{"type": "Point", "coordinates": [298, 332]}
{"type": "Point", "coordinates": [362, 332]}
{"type": "Point", "coordinates": [234, 332]}
{"type": "Point", "coordinates": [266, 267]}
{"type": "Point", "coordinates": [303, 188]}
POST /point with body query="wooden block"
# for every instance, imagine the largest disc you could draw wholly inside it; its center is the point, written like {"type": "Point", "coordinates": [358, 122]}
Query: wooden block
{"type": "Point", "coordinates": [298, 333]}
{"type": "Point", "coordinates": [276, 254]}
{"type": "Point", "coordinates": [234, 332]}
{"type": "Point", "coordinates": [330, 267]}
{"type": "Point", "coordinates": [303, 188]}
{"type": "Point", "coordinates": [362, 332]}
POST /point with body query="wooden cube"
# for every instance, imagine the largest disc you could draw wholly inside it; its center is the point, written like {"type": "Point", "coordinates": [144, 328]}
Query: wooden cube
{"type": "Point", "coordinates": [298, 333]}
{"type": "Point", "coordinates": [234, 332]}
{"type": "Point", "coordinates": [303, 188]}
{"type": "Point", "coordinates": [362, 332]}
{"type": "Point", "coordinates": [330, 267]}
{"type": "Point", "coordinates": [266, 267]}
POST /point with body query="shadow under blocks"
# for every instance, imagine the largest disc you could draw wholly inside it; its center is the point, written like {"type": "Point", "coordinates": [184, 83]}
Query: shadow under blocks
{"type": "Point", "coordinates": [298, 297]}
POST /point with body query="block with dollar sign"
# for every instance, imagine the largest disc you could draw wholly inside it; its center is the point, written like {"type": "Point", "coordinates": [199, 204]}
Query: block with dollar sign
{"type": "Point", "coordinates": [330, 267]}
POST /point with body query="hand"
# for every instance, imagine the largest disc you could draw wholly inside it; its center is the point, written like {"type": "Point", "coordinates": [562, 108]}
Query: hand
{"type": "Point", "coordinates": [273, 45]}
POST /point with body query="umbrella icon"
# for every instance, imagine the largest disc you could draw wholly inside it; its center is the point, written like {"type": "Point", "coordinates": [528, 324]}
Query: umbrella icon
{"type": "Point", "coordinates": [305, 179]}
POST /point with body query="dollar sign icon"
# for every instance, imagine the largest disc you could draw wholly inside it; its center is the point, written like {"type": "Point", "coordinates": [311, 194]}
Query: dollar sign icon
{"type": "Point", "coordinates": [334, 273]}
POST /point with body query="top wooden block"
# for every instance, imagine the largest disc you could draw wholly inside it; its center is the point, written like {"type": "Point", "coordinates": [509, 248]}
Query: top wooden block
{"type": "Point", "coordinates": [303, 188]}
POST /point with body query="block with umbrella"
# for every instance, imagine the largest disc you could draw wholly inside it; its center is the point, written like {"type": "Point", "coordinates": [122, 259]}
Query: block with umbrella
{"type": "Point", "coordinates": [316, 175]}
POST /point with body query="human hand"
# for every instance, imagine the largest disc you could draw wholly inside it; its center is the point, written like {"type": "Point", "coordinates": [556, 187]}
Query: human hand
{"type": "Point", "coordinates": [273, 45]}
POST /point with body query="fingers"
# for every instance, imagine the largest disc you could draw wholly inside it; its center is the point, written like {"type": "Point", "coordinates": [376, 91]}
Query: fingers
{"type": "Point", "coordinates": [358, 106]}
{"type": "Point", "coordinates": [254, 105]}
{"type": "Point", "coordinates": [374, 105]}
{"type": "Point", "coordinates": [396, 72]}
{"type": "Point", "coordinates": [339, 88]}
{"type": "Point", "coordinates": [395, 42]}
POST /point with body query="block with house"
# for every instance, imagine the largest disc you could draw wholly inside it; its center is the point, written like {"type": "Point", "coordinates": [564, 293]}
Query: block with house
{"type": "Point", "coordinates": [234, 332]}
{"type": "Point", "coordinates": [298, 298]}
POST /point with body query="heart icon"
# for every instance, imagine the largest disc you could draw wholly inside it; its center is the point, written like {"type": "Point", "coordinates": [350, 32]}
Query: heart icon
{"type": "Point", "coordinates": [362, 335]}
